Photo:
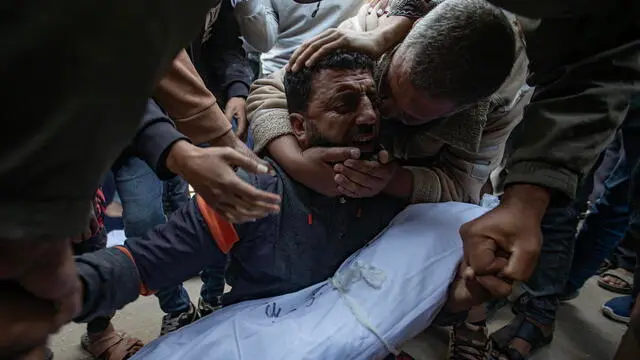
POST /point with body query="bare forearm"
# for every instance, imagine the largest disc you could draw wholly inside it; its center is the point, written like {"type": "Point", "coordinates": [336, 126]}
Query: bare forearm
{"type": "Point", "coordinates": [392, 32]}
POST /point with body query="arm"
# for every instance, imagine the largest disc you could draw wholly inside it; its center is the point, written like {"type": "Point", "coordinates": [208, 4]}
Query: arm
{"type": "Point", "coordinates": [194, 237]}
{"type": "Point", "coordinates": [154, 139]}
{"type": "Point", "coordinates": [184, 96]}
{"type": "Point", "coordinates": [267, 110]}
{"type": "Point", "coordinates": [459, 174]}
{"type": "Point", "coordinates": [258, 23]}
{"type": "Point", "coordinates": [226, 57]}
{"type": "Point", "coordinates": [165, 256]}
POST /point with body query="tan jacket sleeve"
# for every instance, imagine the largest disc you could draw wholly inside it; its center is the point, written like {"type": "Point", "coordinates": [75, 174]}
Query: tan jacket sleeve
{"type": "Point", "coordinates": [267, 110]}
{"type": "Point", "coordinates": [459, 175]}
{"type": "Point", "coordinates": [184, 96]}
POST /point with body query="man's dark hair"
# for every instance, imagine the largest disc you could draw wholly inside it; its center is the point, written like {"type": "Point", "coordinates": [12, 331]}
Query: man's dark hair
{"type": "Point", "coordinates": [297, 85]}
{"type": "Point", "coordinates": [463, 50]}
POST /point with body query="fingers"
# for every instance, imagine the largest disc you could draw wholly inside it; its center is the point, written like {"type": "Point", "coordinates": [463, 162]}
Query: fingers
{"type": "Point", "coordinates": [234, 157]}
{"type": "Point", "coordinates": [523, 260]}
{"type": "Point", "coordinates": [350, 188]}
{"type": "Point", "coordinates": [371, 168]}
{"type": "Point", "coordinates": [314, 49]}
{"type": "Point", "coordinates": [496, 286]}
{"type": "Point", "coordinates": [380, 6]}
{"type": "Point", "coordinates": [346, 174]}
{"type": "Point", "coordinates": [384, 157]}
{"type": "Point", "coordinates": [334, 155]}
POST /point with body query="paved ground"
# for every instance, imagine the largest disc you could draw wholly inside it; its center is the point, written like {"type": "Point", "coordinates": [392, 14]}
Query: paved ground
{"type": "Point", "coordinates": [582, 332]}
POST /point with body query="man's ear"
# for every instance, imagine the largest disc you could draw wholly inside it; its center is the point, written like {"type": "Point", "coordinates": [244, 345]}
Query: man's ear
{"type": "Point", "coordinates": [297, 123]}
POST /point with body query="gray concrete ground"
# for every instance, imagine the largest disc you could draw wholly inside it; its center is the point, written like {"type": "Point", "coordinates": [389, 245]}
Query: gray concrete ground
{"type": "Point", "coordinates": [582, 332]}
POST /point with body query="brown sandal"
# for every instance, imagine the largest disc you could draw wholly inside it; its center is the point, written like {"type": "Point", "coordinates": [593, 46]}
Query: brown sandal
{"type": "Point", "coordinates": [112, 346]}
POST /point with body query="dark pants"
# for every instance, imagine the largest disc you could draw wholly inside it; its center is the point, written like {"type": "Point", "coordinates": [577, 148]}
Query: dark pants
{"type": "Point", "coordinates": [603, 228]}
{"type": "Point", "coordinates": [559, 224]}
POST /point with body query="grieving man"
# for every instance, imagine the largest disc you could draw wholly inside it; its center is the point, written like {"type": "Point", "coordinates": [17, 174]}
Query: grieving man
{"type": "Point", "coordinates": [331, 104]}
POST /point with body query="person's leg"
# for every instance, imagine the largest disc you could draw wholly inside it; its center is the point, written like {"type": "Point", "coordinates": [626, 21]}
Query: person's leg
{"type": "Point", "coordinates": [624, 256]}
{"type": "Point", "coordinates": [175, 195]}
{"type": "Point", "coordinates": [101, 339]}
{"type": "Point", "coordinates": [141, 194]}
{"type": "Point", "coordinates": [213, 282]}
{"type": "Point", "coordinates": [534, 323]}
{"type": "Point", "coordinates": [603, 228]}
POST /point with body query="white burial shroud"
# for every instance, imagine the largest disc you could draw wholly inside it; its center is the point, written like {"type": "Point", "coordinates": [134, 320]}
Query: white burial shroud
{"type": "Point", "coordinates": [383, 295]}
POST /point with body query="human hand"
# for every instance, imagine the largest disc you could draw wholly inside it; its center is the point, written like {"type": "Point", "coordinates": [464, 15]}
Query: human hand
{"type": "Point", "coordinates": [364, 178]}
{"type": "Point", "coordinates": [511, 231]}
{"type": "Point", "coordinates": [331, 40]}
{"type": "Point", "coordinates": [381, 7]}
{"type": "Point", "coordinates": [317, 172]}
{"type": "Point", "coordinates": [210, 172]}
{"type": "Point", "coordinates": [236, 106]}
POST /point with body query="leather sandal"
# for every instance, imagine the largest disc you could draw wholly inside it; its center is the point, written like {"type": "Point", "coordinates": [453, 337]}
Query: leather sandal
{"type": "Point", "coordinates": [112, 346]}
{"type": "Point", "coordinates": [520, 328]}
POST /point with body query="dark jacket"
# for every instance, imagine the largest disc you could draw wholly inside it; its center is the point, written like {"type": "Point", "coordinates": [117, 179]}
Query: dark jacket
{"type": "Point", "coordinates": [220, 57]}
{"type": "Point", "coordinates": [302, 245]}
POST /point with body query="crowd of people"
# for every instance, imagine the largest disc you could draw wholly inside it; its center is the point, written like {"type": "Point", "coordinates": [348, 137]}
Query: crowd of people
{"type": "Point", "coordinates": [304, 127]}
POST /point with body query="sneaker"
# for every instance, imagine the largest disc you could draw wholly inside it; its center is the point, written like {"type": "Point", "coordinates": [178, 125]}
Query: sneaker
{"type": "Point", "coordinates": [204, 308]}
{"type": "Point", "coordinates": [48, 354]}
{"type": "Point", "coordinates": [469, 342]}
{"type": "Point", "coordinates": [618, 309]}
{"type": "Point", "coordinates": [174, 321]}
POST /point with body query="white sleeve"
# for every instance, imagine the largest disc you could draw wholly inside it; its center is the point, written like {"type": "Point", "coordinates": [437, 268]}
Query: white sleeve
{"type": "Point", "coordinates": [258, 23]}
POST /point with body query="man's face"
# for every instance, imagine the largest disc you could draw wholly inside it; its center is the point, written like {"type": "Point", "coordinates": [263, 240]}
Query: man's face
{"type": "Point", "coordinates": [343, 110]}
{"type": "Point", "coordinates": [407, 104]}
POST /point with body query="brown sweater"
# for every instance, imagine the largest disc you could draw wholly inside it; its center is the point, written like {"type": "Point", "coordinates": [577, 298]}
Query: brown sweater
{"type": "Point", "coordinates": [189, 103]}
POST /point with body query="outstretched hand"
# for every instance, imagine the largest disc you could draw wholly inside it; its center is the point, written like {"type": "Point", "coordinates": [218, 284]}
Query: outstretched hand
{"type": "Point", "coordinates": [211, 173]}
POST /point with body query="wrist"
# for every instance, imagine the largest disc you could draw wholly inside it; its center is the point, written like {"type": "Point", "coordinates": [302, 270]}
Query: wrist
{"type": "Point", "coordinates": [178, 152]}
{"type": "Point", "coordinates": [401, 184]}
{"type": "Point", "coordinates": [392, 34]}
{"type": "Point", "coordinates": [532, 200]}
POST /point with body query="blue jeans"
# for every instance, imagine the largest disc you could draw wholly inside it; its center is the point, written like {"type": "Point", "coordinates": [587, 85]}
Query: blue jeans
{"type": "Point", "coordinates": [603, 228]}
{"type": "Point", "coordinates": [141, 193]}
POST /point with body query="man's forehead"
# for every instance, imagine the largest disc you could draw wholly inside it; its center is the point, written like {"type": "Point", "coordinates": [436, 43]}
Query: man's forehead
{"type": "Point", "coordinates": [335, 79]}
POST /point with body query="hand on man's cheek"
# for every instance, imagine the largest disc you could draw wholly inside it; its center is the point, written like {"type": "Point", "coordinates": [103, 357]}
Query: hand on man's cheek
{"type": "Point", "coordinates": [363, 178]}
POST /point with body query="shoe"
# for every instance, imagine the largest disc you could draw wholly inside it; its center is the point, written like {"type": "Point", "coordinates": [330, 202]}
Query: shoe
{"type": "Point", "coordinates": [618, 309]}
{"type": "Point", "coordinates": [174, 321]}
{"type": "Point", "coordinates": [204, 308]}
{"type": "Point", "coordinates": [48, 354]}
{"type": "Point", "coordinates": [469, 342]}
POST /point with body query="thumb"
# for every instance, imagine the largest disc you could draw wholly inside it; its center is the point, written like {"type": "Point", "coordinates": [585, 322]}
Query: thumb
{"type": "Point", "coordinates": [338, 154]}
{"type": "Point", "coordinates": [250, 164]}
{"type": "Point", "coordinates": [384, 157]}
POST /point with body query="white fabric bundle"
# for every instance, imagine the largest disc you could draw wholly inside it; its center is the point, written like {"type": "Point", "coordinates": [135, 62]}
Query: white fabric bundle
{"type": "Point", "coordinates": [382, 296]}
